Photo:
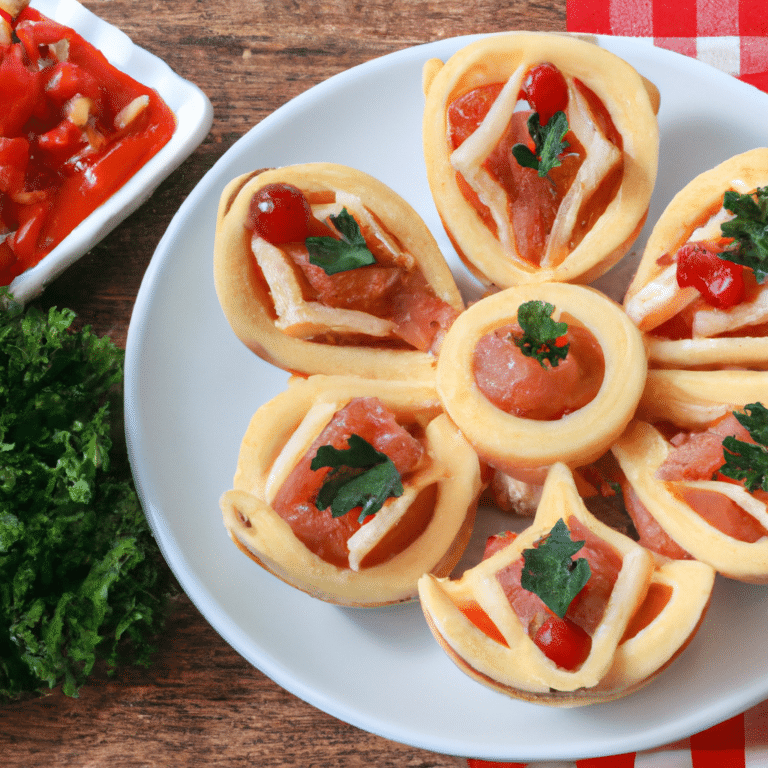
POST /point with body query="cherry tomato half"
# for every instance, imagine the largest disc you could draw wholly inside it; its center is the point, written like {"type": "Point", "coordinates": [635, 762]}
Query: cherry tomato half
{"type": "Point", "coordinates": [546, 91]}
{"type": "Point", "coordinates": [564, 642]}
{"type": "Point", "coordinates": [720, 282]}
{"type": "Point", "coordinates": [280, 213]}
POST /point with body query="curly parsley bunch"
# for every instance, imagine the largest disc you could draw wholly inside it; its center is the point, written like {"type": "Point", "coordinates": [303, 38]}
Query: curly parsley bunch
{"type": "Point", "coordinates": [81, 578]}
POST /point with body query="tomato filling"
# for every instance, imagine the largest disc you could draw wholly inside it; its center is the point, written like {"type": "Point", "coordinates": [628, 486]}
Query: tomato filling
{"type": "Point", "coordinates": [73, 130]}
{"type": "Point", "coordinates": [533, 201]}
{"type": "Point", "coordinates": [388, 289]}
{"type": "Point", "coordinates": [318, 530]}
{"type": "Point", "coordinates": [521, 386]}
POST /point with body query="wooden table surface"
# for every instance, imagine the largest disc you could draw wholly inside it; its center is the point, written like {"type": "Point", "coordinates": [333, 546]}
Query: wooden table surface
{"type": "Point", "coordinates": [200, 703]}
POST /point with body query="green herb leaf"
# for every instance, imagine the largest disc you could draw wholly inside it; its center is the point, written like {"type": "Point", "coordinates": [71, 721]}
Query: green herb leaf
{"type": "Point", "coordinates": [748, 462]}
{"type": "Point", "coordinates": [550, 572]}
{"type": "Point", "coordinates": [549, 143]}
{"type": "Point", "coordinates": [360, 476]}
{"type": "Point", "coordinates": [334, 255]}
{"type": "Point", "coordinates": [540, 333]}
{"type": "Point", "coordinates": [749, 228]}
{"type": "Point", "coordinates": [81, 578]}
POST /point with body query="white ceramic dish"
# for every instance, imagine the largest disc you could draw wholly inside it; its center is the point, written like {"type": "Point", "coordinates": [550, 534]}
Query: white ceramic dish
{"type": "Point", "coordinates": [194, 115]}
{"type": "Point", "coordinates": [191, 388]}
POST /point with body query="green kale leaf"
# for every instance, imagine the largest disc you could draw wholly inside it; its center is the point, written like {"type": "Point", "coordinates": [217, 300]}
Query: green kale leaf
{"type": "Point", "coordinates": [748, 462]}
{"type": "Point", "coordinates": [749, 228]}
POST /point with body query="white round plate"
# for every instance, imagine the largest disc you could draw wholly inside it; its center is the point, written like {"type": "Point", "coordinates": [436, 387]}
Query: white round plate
{"type": "Point", "coordinates": [194, 116]}
{"type": "Point", "coordinates": [191, 388]}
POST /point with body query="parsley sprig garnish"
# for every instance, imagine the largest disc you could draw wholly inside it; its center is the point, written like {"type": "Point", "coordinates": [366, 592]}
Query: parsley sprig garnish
{"type": "Point", "coordinates": [550, 571]}
{"type": "Point", "coordinates": [360, 476]}
{"type": "Point", "coordinates": [540, 333]}
{"type": "Point", "coordinates": [339, 255]}
{"type": "Point", "coordinates": [549, 143]}
{"type": "Point", "coordinates": [749, 461]}
{"type": "Point", "coordinates": [749, 228]}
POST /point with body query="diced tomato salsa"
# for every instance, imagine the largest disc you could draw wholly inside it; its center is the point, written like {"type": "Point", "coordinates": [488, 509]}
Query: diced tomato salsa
{"type": "Point", "coordinates": [73, 130]}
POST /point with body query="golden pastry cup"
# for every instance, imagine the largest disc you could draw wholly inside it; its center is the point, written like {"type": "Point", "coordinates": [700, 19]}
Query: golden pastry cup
{"type": "Point", "coordinates": [520, 446]}
{"type": "Point", "coordinates": [245, 296]}
{"type": "Point", "coordinates": [281, 432]}
{"type": "Point", "coordinates": [632, 103]}
{"type": "Point", "coordinates": [640, 451]}
{"type": "Point", "coordinates": [667, 599]}
{"type": "Point", "coordinates": [653, 296]}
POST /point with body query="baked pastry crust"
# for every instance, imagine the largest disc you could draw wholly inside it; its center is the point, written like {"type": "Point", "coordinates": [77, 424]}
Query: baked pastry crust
{"type": "Point", "coordinates": [693, 399]}
{"type": "Point", "coordinates": [619, 662]}
{"type": "Point", "coordinates": [632, 103]}
{"type": "Point", "coordinates": [283, 335]}
{"type": "Point", "coordinates": [654, 297]}
{"type": "Point", "coordinates": [511, 443]}
{"type": "Point", "coordinates": [281, 432]}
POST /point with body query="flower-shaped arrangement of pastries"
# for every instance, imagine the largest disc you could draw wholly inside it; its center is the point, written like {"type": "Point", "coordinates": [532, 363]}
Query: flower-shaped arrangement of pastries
{"type": "Point", "coordinates": [699, 292]}
{"type": "Point", "coordinates": [536, 374]}
{"type": "Point", "coordinates": [570, 611]}
{"type": "Point", "coordinates": [322, 268]}
{"type": "Point", "coordinates": [541, 154]}
{"type": "Point", "coordinates": [350, 489]}
{"type": "Point", "coordinates": [695, 473]}
{"type": "Point", "coordinates": [359, 484]}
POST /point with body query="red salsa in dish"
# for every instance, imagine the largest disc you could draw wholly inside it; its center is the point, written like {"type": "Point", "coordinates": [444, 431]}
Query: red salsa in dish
{"type": "Point", "coordinates": [73, 130]}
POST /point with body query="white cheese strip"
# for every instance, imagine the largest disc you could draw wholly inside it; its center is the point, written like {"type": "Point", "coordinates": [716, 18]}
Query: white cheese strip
{"type": "Point", "coordinates": [363, 541]}
{"type": "Point", "coordinates": [468, 158]}
{"type": "Point", "coordinates": [601, 158]}
{"type": "Point", "coordinates": [711, 230]}
{"type": "Point", "coordinates": [660, 299]}
{"type": "Point", "coordinates": [708, 321]}
{"type": "Point", "coordinates": [314, 422]}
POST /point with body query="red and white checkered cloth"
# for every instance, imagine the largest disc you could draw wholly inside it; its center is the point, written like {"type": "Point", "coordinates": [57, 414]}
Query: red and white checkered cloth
{"type": "Point", "coordinates": [741, 742]}
{"type": "Point", "coordinates": [731, 35]}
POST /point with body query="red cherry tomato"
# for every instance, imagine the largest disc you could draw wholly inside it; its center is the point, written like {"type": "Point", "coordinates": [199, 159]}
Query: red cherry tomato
{"type": "Point", "coordinates": [564, 642]}
{"type": "Point", "coordinates": [546, 91]}
{"type": "Point", "coordinates": [720, 282]}
{"type": "Point", "coordinates": [280, 213]}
